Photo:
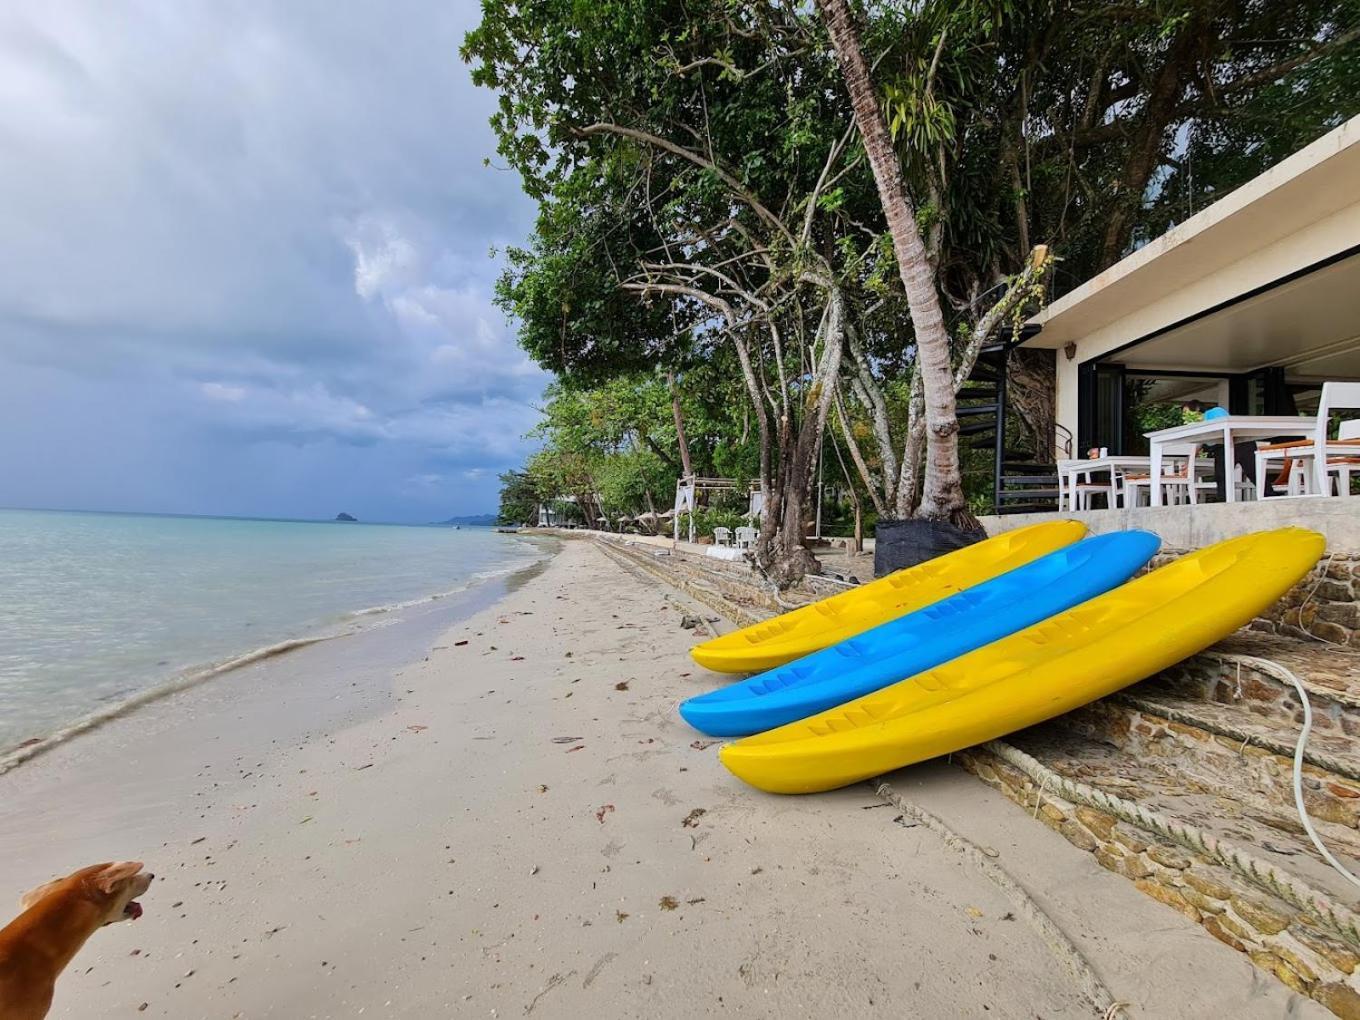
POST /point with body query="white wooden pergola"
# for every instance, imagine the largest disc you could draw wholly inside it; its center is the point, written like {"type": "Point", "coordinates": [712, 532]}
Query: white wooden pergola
{"type": "Point", "coordinates": [688, 487]}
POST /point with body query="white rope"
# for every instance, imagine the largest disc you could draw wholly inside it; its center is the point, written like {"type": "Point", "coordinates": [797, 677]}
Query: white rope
{"type": "Point", "coordinates": [1340, 868]}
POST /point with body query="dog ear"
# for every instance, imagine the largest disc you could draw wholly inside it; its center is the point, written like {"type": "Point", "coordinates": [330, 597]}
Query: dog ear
{"type": "Point", "coordinates": [34, 895]}
{"type": "Point", "coordinates": [107, 880]}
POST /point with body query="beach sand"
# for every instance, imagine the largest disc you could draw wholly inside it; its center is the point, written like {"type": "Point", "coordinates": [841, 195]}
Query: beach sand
{"type": "Point", "coordinates": [508, 818]}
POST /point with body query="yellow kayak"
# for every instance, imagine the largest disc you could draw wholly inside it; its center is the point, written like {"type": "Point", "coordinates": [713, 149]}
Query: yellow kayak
{"type": "Point", "coordinates": [832, 620]}
{"type": "Point", "coordinates": [1053, 667]}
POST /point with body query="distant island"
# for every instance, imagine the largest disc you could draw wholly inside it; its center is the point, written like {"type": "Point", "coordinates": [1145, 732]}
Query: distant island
{"type": "Point", "coordinates": [346, 517]}
{"type": "Point", "coordinates": [473, 520]}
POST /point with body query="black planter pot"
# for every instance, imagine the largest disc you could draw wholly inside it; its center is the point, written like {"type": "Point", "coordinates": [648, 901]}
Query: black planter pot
{"type": "Point", "coordinates": [899, 544]}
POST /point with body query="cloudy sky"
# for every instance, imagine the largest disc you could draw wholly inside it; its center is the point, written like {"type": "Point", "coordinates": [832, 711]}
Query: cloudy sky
{"type": "Point", "coordinates": [244, 261]}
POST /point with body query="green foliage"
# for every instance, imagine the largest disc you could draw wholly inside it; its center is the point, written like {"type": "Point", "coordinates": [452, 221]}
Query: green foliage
{"type": "Point", "coordinates": [1087, 126]}
{"type": "Point", "coordinates": [708, 518]}
{"type": "Point", "coordinates": [520, 498]}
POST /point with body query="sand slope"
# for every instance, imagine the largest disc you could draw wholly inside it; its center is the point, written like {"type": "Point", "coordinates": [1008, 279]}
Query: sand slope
{"type": "Point", "coordinates": [449, 852]}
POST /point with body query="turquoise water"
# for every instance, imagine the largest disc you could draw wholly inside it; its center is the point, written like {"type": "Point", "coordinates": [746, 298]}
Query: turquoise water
{"type": "Point", "coordinates": [96, 608]}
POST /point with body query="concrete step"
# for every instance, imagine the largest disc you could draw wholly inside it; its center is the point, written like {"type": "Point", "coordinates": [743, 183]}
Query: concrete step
{"type": "Point", "coordinates": [1209, 744]}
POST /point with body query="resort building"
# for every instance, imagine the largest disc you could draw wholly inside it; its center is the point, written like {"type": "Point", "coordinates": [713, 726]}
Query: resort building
{"type": "Point", "coordinates": [1250, 305]}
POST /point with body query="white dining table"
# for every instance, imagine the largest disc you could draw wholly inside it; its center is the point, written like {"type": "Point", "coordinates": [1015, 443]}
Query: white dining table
{"type": "Point", "coordinates": [1069, 469]}
{"type": "Point", "coordinates": [1225, 430]}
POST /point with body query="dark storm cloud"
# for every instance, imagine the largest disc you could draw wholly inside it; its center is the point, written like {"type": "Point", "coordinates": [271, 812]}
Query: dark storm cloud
{"type": "Point", "coordinates": [245, 265]}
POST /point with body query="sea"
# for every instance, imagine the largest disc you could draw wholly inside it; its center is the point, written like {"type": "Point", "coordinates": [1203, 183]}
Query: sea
{"type": "Point", "coordinates": [103, 610]}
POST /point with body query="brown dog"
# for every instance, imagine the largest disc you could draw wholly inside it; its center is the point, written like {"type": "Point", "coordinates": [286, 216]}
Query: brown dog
{"type": "Point", "coordinates": [57, 918]}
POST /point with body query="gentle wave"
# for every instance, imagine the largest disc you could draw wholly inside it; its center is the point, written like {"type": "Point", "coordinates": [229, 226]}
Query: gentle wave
{"type": "Point", "coordinates": [99, 604]}
{"type": "Point", "coordinates": [41, 745]}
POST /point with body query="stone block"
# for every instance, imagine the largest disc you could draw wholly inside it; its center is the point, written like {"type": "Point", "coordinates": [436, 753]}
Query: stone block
{"type": "Point", "coordinates": [1341, 999]}
{"type": "Point", "coordinates": [1168, 895]}
{"type": "Point", "coordinates": [1168, 857]}
{"type": "Point", "coordinates": [1332, 632]}
{"type": "Point", "coordinates": [1077, 836]}
{"type": "Point", "coordinates": [1333, 591]}
{"type": "Point", "coordinates": [1052, 813]}
{"type": "Point", "coordinates": [1128, 840]}
{"type": "Point", "coordinates": [1273, 964]}
{"type": "Point", "coordinates": [1340, 956]}
{"type": "Point", "coordinates": [1214, 926]}
{"type": "Point", "coordinates": [1209, 884]}
{"type": "Point", "coordinates": [1097, 821]}
{"type": "Point", "coordinates": [1262, 916]}
{"type": "Point", "coordinates": [1202, 903]}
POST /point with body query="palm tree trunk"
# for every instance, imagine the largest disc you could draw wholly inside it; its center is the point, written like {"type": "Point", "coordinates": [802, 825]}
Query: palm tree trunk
{"type": "Point", "coordinates": [942, 495]}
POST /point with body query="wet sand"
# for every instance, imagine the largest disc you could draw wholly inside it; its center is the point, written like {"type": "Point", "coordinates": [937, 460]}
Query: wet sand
{"type": "Point", "coordinates": [505, 817]}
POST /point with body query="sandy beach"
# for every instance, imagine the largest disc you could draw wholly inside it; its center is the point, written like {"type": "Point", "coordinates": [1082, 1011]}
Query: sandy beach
{"type": "Point", "coordinates": [503, 815]}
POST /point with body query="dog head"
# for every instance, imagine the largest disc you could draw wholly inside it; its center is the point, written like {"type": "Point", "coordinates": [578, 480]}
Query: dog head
{"type": "Point", "coordinates": [112, 888]}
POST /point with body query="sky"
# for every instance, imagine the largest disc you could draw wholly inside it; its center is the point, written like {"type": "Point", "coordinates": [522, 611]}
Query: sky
{"type": "Point", "coordinates": [246, 266]}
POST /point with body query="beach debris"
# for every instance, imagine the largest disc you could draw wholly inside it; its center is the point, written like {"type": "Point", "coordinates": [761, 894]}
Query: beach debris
{"type": "Point", "coordinates": [416, 727]}
{"type": "Point", "coordinates": [199, 840]}
{"type": "Point", "coordinates": [991, 851]}
{"type": "Point", "coordinates": [603, 810]}
{"type": "Point", "coordinates": [362, 767]}
{"type": "Point", "coordinates": [757, 870]}
{"type": "Point", "coordinates": [576, 748]}
{"type": "Point", "coordinates": [542, 788]}
{"type": "Point", "coordinates": [700, 745]}
{"type": "Point", "coordinates": [688, 622]}
{"type": "Point", "coordinates": [567, 740]}
{"type": "Point", "coordinates": [460, 644]}
{"type": "Point", "coordinates": [691, 820]}
{"type": "Point", "coordinates": [620, 916]}
{"type": "Point", "coordinates": [534, 870]}
{"type": "Point", "coordinates": [305, 820]}
{"type": "Point", "coordinates": [622, 685]}
{"type": "Point", "coordinates": [668, 903]}
{"type": "Point", "coordinates": [973, 912]}
{"type": "Point", "coordinates": [696, 900]}
{"type": "Point", "coordinates": [516, 658]}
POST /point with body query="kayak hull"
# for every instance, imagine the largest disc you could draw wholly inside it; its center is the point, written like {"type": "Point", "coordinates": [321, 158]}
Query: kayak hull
{"type": "Point", "coordinates": [811, 628]}
{"type": "Point", "coordinates": [1053, 667]}
{"type": "Point", "coordinates": [923, 639]}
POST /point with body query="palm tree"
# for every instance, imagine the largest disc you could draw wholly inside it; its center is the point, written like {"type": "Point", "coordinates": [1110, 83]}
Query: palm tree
{"type": "Point", "coordinates": [942, 494]}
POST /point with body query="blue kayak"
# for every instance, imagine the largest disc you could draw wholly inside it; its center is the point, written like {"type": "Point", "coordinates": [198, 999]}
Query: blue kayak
{"type": "Point", "coordinates": [924, 639]}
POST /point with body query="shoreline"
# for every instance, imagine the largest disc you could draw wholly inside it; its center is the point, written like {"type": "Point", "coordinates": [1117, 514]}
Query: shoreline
{"type": "Point", "coordinates": [502, 815]}
{"type": "Point", "coordinates": [350, 623]}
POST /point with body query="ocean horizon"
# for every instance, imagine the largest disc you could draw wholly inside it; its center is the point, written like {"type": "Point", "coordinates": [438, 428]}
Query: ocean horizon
{"type": "Point", "coordinates": [99, 607]}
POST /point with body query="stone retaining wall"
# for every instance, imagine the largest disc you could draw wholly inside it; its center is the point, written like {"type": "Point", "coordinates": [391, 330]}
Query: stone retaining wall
{"type": "Point", "coordinates": [1276, 936]}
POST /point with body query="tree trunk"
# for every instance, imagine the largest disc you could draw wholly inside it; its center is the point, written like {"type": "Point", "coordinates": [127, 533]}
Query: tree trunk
{"type": "Point", "coordinates": [1030, 393]}
{"type": "Point", "coordinates": [942, 496]}
{"type": "Point", "coordinates": [680, 438]}
{"type": "Point", "coordinates": [780, 553]}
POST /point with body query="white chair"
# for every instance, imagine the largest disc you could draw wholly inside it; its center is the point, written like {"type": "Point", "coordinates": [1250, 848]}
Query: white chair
{"type": "Point", "coordinates": [1337, 456]}
{"type": "Point", "coordinates": [1296, 476]}
{"type": "Point", "coordinates": [746, 537]}
{"type": "Point", "coordinates": [1181, 481]}
{"type": "Point", "coordinates": [1082, 489]}
{"type": "Point", "coordinates": [722, 536]}
{"type": "Point", "coordinates": [1348, 435]}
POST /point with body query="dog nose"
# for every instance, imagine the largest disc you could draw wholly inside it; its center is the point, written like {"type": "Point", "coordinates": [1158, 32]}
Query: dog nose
{"type": "Point", "coordinates": [149, 876]}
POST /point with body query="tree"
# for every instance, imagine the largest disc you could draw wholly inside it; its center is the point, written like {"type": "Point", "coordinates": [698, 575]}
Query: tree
{"type": "Point", "coordinates": [691, 157]}
{"type": "Point", "coordinates": [520, 498]}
